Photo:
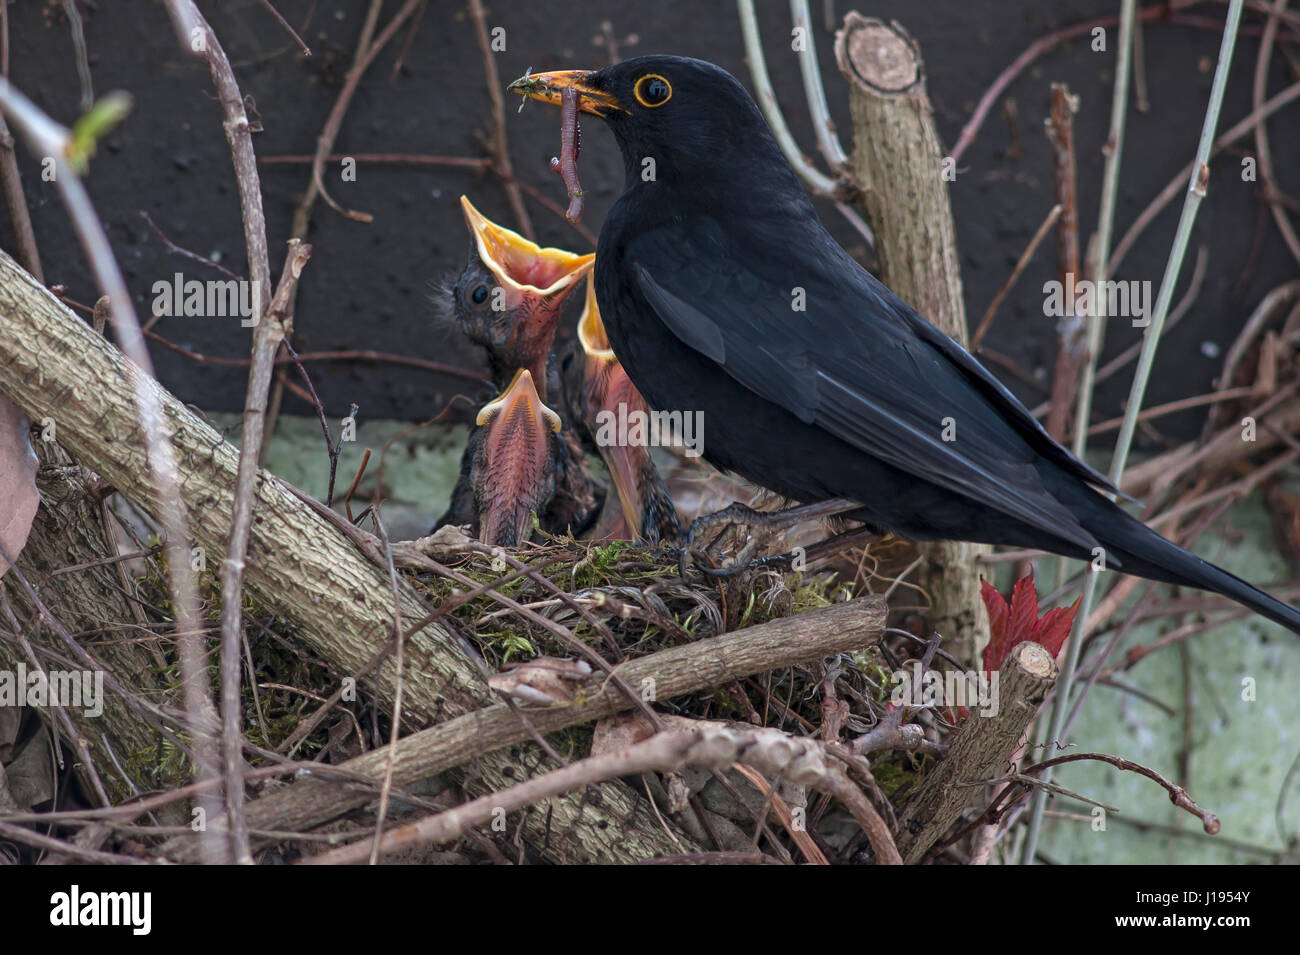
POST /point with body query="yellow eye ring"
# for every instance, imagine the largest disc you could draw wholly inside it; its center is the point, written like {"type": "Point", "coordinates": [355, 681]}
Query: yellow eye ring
{"type": "Point", "coordinates": [652, 91]}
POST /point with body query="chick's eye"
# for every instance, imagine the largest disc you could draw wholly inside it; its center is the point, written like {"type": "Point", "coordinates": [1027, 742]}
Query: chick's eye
{"type": "Point", "coordinates": [652, 90]}
{"type": "Point", "coordinates": [479, 295]}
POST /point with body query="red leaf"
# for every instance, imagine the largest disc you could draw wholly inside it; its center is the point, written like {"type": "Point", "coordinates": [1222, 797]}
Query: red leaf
{"type": "Point", "coordinates": [996, 605]}
{"type": "Point", "coordinates": [1024, 611]}
{"type": "Point", "coordinates": [1055, 626]}
{"type": "Point", "coordinates": [1014, 624]}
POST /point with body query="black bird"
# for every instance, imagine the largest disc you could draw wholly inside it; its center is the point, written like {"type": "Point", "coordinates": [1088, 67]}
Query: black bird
{"type": "Point", "coordinates": [508, 300]}
{"type": "Point", "coordinates": [722, 292]}
{"type": "Point", "coordinates": [595, 385]}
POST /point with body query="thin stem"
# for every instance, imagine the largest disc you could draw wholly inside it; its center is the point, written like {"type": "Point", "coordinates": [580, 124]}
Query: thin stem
{"type": "Point", "coordinates": [817, 181]}
{"type": "Point", "coordinates": [1196, 187]}
{"type": "Point", "coordinates": [818, 111]}
{"type": "Point", "coordinates": [1106, 219]}
{"type": "Point", "coordinates": [51, 140]}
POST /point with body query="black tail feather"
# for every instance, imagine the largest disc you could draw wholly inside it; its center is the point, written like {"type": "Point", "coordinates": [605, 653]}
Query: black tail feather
{"type": "Point", "coordinates": [1141, 551]}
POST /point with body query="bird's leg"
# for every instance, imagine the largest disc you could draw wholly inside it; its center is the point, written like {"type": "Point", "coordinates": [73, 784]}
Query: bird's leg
{"type": "Point", "coordinates": [742, 515]}
{"type": "Point", "coordinates": [823, 548]}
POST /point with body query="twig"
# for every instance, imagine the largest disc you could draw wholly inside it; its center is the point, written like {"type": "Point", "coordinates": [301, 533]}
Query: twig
{"type": "Point", "coordinates": [1177, 795]}
{"type": "Point", "coordinates": [1197, 185]}
{"type": "Point", "coordinates": [366, 53]}
{"type": "Point", "coordinates": [1100, 248]}
{"type": "Point", "coordinates": [410, 38]}
{"type": "Point", "coordinates": [1170, 191]}
{"type": "Point", "coordinates": [284, 25]}
{"type": "Point", "coordinates": [1196, 188]}
{"type": "Point", "coordinates": [818, 111]}
{"type": "Point", "coordinates": [1141, 100]}
{"type": "Point", "coordinates": [1270, 306]}
{"type": "Point", "coordinates": [187, 19]}
{"type": "Point", "coordinates": [50, 140]}
{"type": "Point", "coordinates": [1021, 263]}
{"type": "Point", "coordinates": [399, 657]}
{"type": "Point", "coordinates": [1157, 11]}
{"type": "Point", "coordinates": [1060, 133]}
{"type": "Point", "coordinates": [19, 218]}
{"type": "Point", "coordinates": [715, 746]}
{"type": "Point", "coordinates": [269, 330]}
{"type": "Point", "coordinates": [186, 253]}
{"type": "Point", "coordinates": [891, 733]}
{"type": "Point", "coordinates": [497, 142]}
{"type": "Point", "coordinates": [79, 55]}
{"type": "Point", "coordinates": [817, 182]}
{"type": "Point", "coordinates": [979, 749]}
{"type": "Point", "coordinates": [674, 672]}
{"type": "Point", "coordinates": [50, 844]}
{"type": "Point", "coordinates": [276, 325]}
{"type": "Point", "coordinates": [1265, 154]}
{"type": "Point", "coordinates": [352, 488]}
{"type": "Point", "coordinates": [1189, 298]}
{"type": "Point", "coordinates": [413, 159]}
{"type": "Point", "coordinates": [1180, 405]}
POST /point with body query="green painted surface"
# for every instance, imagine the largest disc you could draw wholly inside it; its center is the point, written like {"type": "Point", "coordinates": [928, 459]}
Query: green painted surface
{"type": "Point", "coordinates": [418, 468]}
{"type": "Point", "coordinates": [1241, 750]}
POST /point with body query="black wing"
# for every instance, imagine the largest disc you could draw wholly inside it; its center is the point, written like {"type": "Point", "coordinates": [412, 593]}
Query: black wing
{"type": "Point", "coordinates": [855, 361]}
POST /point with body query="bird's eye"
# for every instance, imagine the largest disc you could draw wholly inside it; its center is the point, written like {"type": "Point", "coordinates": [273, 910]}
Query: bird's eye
{"type": "Point", "coordinates": [652, 90]}
{"type": "Point", "coordinates": [479, 295]}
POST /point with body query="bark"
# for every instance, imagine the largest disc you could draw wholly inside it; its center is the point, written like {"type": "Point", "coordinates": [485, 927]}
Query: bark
{"type": "Point", "coordinates": [981, 750]}
{"type": "Point", "coordinates": [900, 168]}
{"type": "Point", "coordinates": [93, 602]}
{"type": "Point", "coordinates": [53, 365]}
{"type": "Point", "coordinates": [676, 671]}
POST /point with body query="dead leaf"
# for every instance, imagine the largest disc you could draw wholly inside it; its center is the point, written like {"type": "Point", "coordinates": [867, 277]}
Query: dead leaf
{"type": "Point", "coordinates": [18, 495]}
{"type": "Point", "coordinates": [544, 681]}
{"type": "Point", "coordinates": [30, 777]}
{"type": "Point", "coordinates": [11, 717]}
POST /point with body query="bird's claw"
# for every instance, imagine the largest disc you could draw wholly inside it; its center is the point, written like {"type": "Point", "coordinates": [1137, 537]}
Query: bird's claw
{"type": "Point", "coordinates": [707, 561]}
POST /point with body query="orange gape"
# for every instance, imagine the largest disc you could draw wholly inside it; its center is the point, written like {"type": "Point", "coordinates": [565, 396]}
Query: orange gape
{"type": "Point", "coordinates": [647, 508]}
{"type": "Point", "coordinates": [533, 283]}
{"type": "Point", "coordinates": [508, 300]}
{"type": "Point", "coordinates": [514, 470]}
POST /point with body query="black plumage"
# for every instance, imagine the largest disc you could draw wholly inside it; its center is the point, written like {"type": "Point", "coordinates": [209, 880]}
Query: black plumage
{"type": "Point", "coordinates": [701, 269]}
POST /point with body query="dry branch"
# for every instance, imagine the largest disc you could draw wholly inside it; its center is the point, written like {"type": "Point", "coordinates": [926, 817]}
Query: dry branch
{"type": "Point", "coordinates": [980, 751]}
{"type": "Point", "coordinates": [68, 530]}
{"type": "Point", "coordinates": [53, 365]}
{"type": "Point", "coordinates": [900, 165]}
{"type": "Point", "coordinates": [673, 672]}
{"type": "Point", "coordinates": [704, 744]}
{"type": "Point", "coordinates": [1071, 352]}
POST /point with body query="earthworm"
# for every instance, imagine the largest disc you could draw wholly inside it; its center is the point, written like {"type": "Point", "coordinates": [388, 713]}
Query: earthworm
{"type": "Point", "coordinates": [570, 145]}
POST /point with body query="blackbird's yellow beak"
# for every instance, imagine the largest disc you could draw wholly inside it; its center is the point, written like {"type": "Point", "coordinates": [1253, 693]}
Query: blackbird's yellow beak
{"type": "Point", "coordinates": [518, 264]}
{"type": "Point", "coordinates": [548, 88]}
